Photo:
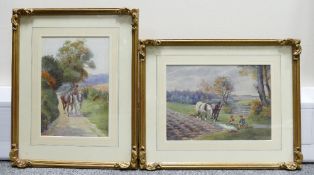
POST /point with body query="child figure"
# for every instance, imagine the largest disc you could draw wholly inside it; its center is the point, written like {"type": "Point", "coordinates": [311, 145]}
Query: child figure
{"type": "Point", "coordinates": [242, 122]}
{"type": "Point", "coordinates": [232, 120]}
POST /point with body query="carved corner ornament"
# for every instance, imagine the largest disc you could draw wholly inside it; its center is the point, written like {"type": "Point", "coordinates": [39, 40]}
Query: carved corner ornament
{"type": "Point", "coordinates": [133, 13]}
{"type": "Point", "coordinates": [296, 46]}
{"type": "Point", "coordinates": [129, 165]}
{"type": "Point", "coordinates": [141, 51]}
{"type": "Point", "coordinates": [15, 159]}
{"type": "Point", "coordinates": [17, 13]}
{"type": "Point", "coordinates": [122, 165]}
{"type": "Point", "coordinates": [291, 166]}
{"type": "Point", "coordinates": [297, 164]}
{"type": "Point", "coordinates": [134, 157]}
{"type": "Point", "coordinates": [298, 157]}
{"type": "Point", "coordinates": [142, 47]}
{"type": "Point", "coordinates": [143, 162]}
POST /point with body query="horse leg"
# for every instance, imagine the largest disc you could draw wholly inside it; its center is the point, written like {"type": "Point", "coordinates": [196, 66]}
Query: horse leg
{"type": "Point", "coordinates": [72, 109]}
{"type": "Point", "coordinates": [69, 110]}
{"type": "Point", "coordinates": [76, 108]}
{"type": "Point", "coordinates": [64, 107]}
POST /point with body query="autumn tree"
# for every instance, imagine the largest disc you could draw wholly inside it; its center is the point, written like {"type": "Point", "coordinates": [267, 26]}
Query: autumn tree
{"type": "Point", "coordinates": [223, 88]}
{"type": "Point", "coordinates": [75, 57]}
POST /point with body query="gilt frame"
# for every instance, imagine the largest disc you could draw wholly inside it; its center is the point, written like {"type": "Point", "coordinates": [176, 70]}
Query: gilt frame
{"type": "Point", "coordinates": [14, 153]}
{"type": "Point", "coordinates": [296, 51]}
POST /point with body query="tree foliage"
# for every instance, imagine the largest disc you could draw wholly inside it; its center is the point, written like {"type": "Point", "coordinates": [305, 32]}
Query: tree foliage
{"type": "Point", "coordinates": [51, 79]}
{"type": "Point", "coordinates": [75, 57]}
{"type": "Point", "coordinates": [52, 71]}
{"type": "Point", "coordinates": [223, 88]}
{"type": "Point", "coordinates": [49, 105]}
{"type": "Point", "coordinates": [205, 86]}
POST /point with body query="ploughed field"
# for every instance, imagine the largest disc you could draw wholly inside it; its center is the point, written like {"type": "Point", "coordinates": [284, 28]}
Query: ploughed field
{"type": "Point", "coordinates": [182, 127]}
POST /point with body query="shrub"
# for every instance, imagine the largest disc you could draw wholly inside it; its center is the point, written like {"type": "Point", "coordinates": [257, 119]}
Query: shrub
{"type": "Point", "coordinates": [49, 106]}
{"type": "Point", "coordinates": [259, 113]}
{"type": "Point", "coordinates": [256, 107]}
{"type": "Point", "coordinates": [227, 108]}
{"type": "Point", "coordinates": [266, 111]}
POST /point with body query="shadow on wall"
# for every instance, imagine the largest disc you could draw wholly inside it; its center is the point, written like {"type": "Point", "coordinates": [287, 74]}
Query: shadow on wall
{"type": "Point", "coordinates": [307, 95]}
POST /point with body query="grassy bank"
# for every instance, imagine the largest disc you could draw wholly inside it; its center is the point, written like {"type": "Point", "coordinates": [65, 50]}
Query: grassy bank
{"type": "Point", "coordinates": [243, 134]}
{"type": "Point", "coordinates": [97, 113]}
{"type": "Point", "coordinates": [181, 108]}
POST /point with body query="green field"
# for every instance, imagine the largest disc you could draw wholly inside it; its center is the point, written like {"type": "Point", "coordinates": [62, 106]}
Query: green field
{"type": "Point", "coordinates": [242, 134]}
{"type": "Point", "coordinates": [97, 113]}
{"type": "Point", "coordinates": [186, 109]}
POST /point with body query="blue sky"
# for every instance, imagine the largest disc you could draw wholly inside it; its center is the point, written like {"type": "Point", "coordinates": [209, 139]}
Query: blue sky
{"type": "Point", "coordinates": [99, 46]}
{"type": "Point", "coordinates": [189, 77]}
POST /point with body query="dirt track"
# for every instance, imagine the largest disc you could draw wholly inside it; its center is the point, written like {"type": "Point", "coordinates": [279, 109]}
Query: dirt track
{"type": "Point", "coordinates": [181, 127]}
{"type": "Point", "coordinates": [77, 125]}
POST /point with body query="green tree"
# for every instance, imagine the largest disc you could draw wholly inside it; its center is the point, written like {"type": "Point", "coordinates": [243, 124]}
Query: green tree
{"type": "Point", "coordinates": [75, 57]}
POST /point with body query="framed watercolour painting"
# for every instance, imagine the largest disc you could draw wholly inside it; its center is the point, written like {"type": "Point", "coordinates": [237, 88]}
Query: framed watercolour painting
{"type": "Point", "coordinates": [74, 90]}
{"type": "Point", "coordinates": [230, 104]}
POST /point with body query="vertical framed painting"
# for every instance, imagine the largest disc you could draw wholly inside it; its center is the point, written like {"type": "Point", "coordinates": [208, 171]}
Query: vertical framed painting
{"type": "Point", "coordinates": [74, 91]}
{"type": "Point", "coordinates": [227, 104]}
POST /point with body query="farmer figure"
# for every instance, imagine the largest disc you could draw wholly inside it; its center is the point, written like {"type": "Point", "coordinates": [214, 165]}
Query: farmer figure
{"type": "Point", "coordinates": [75, 90]}
{"type": "Point", "coordinates": [242, 122]}
{"type": "Point", "coordinates": [232, 120]}
{"type": "Point", "coordinates": [216, 111]}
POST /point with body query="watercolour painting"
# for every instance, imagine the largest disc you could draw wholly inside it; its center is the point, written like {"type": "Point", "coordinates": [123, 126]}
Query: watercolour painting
{"type": "Point", "coordinates": [218, 102]}
{"type": "Point", "coordinates": [75, 86]}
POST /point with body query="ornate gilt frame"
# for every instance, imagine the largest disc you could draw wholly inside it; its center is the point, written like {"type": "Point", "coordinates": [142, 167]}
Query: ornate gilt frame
{"type": "Point", "coordinates": [14, 154]}
{"type": "Point", "coordinates": [296, 51]}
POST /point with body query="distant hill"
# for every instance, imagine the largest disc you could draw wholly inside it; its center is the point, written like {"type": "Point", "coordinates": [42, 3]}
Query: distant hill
{"type": "Point", "coordinates": [96, 79]}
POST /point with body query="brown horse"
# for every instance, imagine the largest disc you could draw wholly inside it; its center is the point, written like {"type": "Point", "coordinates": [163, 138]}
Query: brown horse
{"type": "Point", "coordinates": [216, 110]}
{"type": "Point", "coordinates": [67, 102]}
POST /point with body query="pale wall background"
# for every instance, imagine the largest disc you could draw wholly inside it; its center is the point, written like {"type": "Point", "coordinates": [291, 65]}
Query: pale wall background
{"type": "Point", "coordinates": [194, 19]}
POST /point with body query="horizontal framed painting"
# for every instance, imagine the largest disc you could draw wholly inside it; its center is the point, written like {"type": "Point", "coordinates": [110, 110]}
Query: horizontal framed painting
{"type": "Point", "coordinates": [223, 104]}
{"type": "Point", "coordinates": [74, 91]}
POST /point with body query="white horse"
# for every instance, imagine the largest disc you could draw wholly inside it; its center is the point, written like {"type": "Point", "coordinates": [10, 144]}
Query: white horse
{"type": "Point", "coordinates": [204, 110]}
{"type": "Point", "coordinates": [80, 98]}
{"type": "Point", "coordinates": [76, 105]}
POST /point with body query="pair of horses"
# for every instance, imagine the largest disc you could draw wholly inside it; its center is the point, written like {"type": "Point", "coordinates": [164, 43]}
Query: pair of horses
{"type": "Point", "coordinates": [71, 103]}
{"type": "Point", "coordinates": [206, 110]}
